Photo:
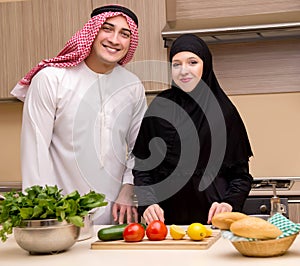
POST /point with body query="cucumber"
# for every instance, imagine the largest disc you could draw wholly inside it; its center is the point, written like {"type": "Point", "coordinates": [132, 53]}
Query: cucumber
{"type": "Point", "coordinates": [114, 232]}
{"type": "Point", "coordinates": [111, 233]}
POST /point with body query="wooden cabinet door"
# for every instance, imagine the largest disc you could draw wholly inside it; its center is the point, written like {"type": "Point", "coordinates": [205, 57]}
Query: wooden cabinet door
{"type": "Point", "coordinates": [33, 30]}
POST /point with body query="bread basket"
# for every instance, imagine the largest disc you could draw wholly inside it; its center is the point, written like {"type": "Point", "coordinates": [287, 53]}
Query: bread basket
{"type": "Point", "coordinates": [265, 248]}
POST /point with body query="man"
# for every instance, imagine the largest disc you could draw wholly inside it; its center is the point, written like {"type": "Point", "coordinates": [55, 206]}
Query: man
{"type": "Point", "coordinates": [82, 113]}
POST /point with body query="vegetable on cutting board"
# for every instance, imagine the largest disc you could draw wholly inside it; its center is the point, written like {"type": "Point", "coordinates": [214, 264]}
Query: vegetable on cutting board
{"type": "Point", "coordinates": [134, 232]}
{"type": "Point", "coordinates": [156, 230]}
{"type": "Point", "coordinates": [114, 232]}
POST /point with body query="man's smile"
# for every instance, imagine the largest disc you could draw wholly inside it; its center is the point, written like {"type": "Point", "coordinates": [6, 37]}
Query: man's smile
{"type": "Point", "coordinates": [111, 49]}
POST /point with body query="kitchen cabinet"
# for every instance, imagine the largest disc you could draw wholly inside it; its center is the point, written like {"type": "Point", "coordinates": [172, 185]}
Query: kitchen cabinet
{"type": "Point", "coordinates": [258, 67]}
{"type": "Point", "coordinates": [33, 30]}
{"type": "Point", "coordinates": [255, 45]}
{"type": "Point", "coordinates": [194, 9]}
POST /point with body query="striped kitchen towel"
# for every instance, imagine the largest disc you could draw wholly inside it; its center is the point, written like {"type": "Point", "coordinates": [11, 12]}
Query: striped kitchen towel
{"type": "Point", "coordinates": [226, 234]}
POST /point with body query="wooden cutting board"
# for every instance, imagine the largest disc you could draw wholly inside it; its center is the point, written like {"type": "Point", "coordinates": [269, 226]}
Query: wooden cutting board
{"type": "Point", "coordinates": [168, 243]}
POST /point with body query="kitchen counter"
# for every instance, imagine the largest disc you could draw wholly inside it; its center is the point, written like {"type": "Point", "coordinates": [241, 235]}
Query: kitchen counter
{"type": "Point", "coordinates": [220, 253]}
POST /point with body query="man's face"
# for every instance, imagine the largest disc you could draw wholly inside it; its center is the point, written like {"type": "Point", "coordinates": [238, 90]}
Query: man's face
{"type": "Point", "coordinates": [111, 45]}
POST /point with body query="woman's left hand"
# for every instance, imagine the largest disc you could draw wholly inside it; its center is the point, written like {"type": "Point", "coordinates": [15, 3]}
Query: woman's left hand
{"type": "Point", "coordinates": [217, 207]}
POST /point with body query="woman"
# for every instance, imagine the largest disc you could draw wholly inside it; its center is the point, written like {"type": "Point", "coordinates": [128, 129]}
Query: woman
{"type": "Point", "coordinates": [192, 151]}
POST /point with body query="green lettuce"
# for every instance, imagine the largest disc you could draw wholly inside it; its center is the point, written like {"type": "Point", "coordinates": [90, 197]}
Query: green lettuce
{"type": "Point", "coordinates": [45, 203]}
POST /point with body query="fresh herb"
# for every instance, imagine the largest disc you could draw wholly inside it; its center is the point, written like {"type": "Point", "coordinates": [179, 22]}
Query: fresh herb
{"type": "Point", "coordinates": [45, 203]}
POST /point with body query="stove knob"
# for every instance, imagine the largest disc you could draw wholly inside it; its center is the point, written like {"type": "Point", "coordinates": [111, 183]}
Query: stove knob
{"type": "Point", "coordinates": [263, 208]}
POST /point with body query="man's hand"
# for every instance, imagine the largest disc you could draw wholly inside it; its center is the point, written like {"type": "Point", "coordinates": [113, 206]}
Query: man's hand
{"type": "Point", "coordinates": [217, 208]}
{"type": "Point", "coordinates": [124, 206]}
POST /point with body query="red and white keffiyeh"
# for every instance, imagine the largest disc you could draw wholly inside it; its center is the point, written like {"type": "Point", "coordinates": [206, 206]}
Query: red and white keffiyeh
{"type": "Point", "coordinates": [77, 49]}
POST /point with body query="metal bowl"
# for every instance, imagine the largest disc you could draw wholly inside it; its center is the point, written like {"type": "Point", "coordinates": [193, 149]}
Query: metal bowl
{"type": "Point", "coordinates": [87, 230]}
{"type": "Point", "coordinates": [46, 236]}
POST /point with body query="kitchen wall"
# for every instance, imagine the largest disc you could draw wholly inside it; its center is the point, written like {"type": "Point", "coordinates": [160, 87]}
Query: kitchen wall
{"type": "Point", "coordinates": [273, 124]}
{"type": "Point", "coordinates": [272, 120]}
{"type": "Point", "coordinates": [10, 127]}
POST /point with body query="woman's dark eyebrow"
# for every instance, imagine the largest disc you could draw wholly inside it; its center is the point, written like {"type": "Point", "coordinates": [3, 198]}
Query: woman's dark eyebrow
{"type": "Point", "coordinates": [112, 25]}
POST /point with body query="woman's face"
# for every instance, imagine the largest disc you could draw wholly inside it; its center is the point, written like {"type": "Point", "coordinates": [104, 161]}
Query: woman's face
{"type": "Point", "coordinates": [187, 69]}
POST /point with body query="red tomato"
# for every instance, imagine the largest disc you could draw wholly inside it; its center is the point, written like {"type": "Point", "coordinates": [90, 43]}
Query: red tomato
{"type": "Point", "coordinates": [156, 230]}
{"type": "Point", "coordinates": [133, 232]}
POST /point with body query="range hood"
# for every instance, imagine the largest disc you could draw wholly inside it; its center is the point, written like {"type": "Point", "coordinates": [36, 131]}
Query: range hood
{"type": "Point", "coordinates": [237, 28]}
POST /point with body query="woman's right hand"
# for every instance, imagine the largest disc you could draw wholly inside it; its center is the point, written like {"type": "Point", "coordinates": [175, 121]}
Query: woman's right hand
{"type": "Point", "coordinates": [153, 212]}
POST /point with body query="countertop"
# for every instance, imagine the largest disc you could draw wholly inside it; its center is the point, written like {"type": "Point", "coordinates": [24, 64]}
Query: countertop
{"type": "Point", "coordinates": [220, 253]}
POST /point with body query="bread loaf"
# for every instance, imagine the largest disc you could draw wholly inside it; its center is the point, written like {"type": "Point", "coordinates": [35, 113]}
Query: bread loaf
{"type": "Point", "coordinates": [223, 220]}
{"type": "Point", "coordinates": [253, 227]}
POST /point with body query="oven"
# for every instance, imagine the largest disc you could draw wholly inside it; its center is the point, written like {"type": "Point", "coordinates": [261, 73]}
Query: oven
{"type": "Point", "coordinates": [285, 191]}
{"type": "Point", "coordinates": [261, 206]}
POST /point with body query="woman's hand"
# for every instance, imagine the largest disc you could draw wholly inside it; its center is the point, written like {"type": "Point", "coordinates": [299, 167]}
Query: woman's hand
{"type": "Point", "coordinates": [217, 207]}
{"type": "Point", "coordinates": [153, 212]}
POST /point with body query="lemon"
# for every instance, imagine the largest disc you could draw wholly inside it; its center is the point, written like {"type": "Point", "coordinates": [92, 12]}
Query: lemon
{"type": "Point", "coordinates": [196, 231]}
{"type": "Point", "coordinates": [208, 232]}
{"type": "Point", "coordinates": [176, 232]}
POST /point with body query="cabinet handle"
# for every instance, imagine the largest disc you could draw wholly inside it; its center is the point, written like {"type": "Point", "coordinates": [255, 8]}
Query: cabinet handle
{"type": "Point", "coordinates": [294, 201]}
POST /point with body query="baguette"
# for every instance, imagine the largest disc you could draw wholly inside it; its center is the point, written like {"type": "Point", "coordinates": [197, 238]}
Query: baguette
{"type": "Point", "coordinates": [223, 220]}
{"type": "Point", "coordinates": [253, 227]}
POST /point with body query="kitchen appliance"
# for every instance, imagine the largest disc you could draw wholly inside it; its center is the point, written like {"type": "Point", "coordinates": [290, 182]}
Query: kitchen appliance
{"type": "Point", "coordinates": [276, 206]}
{"type": "Point", "coordinates": [270, 184]}
{"type": "Point", "coordinates": [261, 207]}
{"type": "Point", "coordinates": [274, 194]}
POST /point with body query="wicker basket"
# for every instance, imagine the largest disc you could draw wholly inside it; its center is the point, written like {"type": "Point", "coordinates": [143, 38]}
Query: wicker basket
{"type": "Point", "coordinates": [265, 248]}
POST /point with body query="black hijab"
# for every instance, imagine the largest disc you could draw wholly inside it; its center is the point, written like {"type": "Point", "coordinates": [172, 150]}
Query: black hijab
{"type": "Point", "coordinates": [195, 133]}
